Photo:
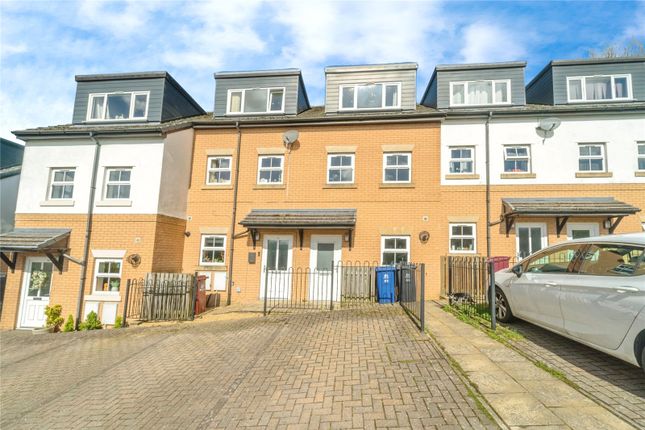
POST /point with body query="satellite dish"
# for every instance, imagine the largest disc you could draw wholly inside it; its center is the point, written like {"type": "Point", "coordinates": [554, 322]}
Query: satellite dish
{"type": "Point", "coordinates": [546, 126]}
{"type": "Point", "coordinates": [289, 137]}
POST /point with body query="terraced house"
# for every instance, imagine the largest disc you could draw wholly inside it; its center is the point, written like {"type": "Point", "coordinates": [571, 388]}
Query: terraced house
{"type": "Point", "coordinates": [269, 181]}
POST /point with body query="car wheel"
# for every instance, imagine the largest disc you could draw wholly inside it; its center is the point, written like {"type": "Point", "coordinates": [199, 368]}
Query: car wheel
{"type": "Point", "coordinates": [502, 308]}
{"type": "Point", "coordinates": [643, 359]}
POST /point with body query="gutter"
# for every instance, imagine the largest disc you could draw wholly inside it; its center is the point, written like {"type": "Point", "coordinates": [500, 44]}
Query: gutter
{"type": "Point", "coordinates": [231, 246]}
{"type": "Point", "coordinates": [318, 122]}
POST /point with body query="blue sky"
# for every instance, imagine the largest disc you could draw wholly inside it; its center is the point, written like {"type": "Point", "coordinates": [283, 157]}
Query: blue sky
{"type": "Point", "coordinates": [43, 44]}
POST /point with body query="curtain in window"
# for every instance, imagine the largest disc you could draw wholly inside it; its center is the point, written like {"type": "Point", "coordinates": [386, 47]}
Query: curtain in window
{"type": "Point", "coordinates": [501, 93]}
{"type": "Point", "coordinates": [480, 93]}
{"type": "Point", "coordinates": [575, 90]}
{"type": "Point", "coordinates": [598, 88]}
{"type": "Point", "coordinates": [620, 87]}
{"type": "Point", "coordinates": [458, 94]}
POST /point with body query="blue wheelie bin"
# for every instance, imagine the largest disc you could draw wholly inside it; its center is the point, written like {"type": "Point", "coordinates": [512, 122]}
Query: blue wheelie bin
{"type": "Point", "coordinates": [385, 280]}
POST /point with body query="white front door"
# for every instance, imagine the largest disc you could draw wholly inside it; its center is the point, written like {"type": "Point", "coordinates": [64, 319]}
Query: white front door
{"type": "Point", "coordinates": [36, 284]}
{"type": "Point", "coordinates": [276, 267]}
{"type": "Point", "coordinates": [325, 257]}
{"type": "Point", "coordinates": [530, 237]}
{"type": "Point", "coordinates": [580, 230]}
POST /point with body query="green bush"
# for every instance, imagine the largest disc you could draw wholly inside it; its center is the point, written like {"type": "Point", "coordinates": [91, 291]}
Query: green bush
{"type": "Point", "coordinates": [118, 322]}
{"type": "Point", "coordinates": [69, 324]}
{"type": "Point", "coordinates": [54, 320]}
{"type": "Point", "coordinates": [92, 322]}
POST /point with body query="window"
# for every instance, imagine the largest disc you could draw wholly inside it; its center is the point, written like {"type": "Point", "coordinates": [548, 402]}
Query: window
{"type": "Point", "coordinates": [396, 167]}
{"type": "Point", "coordinates": [61, 184]}
{"type": "Point", "coordinates": [474, 93]}
{"type": "Point", "coordinates": [530, 238]}
{"type": "Point", "coordinates": [462, 160]}
{"type": "Point", "coordinates": [340, 168]}
{"type": "Point", "coordinates": [256, 100]}
{"type": "Point", "coordinates": [462, 238]}
{"type": "Point", "coordinates": [213, 250]}
{"type": "Point", "coordinates": [270, 169]}
{"type": "Point", "coordinates": [117, 184]}
{"type": "Point", "coordinates": [613, 260]}
{"type": "Point", "coordinates": [599, 88]}
{"type": "Point", "coordinates": [107, 276]}
{"type": "Point", "coordinates": [641, 155]}
{"type": "Point", "coordinates": [218, 171]}
{"type": "Point", "coordinates": [517, 159]}
{"type": "Point", "coordinates": [116, 106]}
{"type": "Point", "coordinates": [591, 157]}
{"type": "Point", "coordinates": [395, 249]}
{"type": "Point", "coordinates": [370, 96]}
{"type": "Point", "coordinates": [556, 260]}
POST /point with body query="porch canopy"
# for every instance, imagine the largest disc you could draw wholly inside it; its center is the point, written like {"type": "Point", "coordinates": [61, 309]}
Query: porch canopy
{"type": "Point", "coordinates": [300, 219]}
{"type": "Point", "coordinates": [49, 241]}
{"type": "Point", "coordinates": [562, 208]}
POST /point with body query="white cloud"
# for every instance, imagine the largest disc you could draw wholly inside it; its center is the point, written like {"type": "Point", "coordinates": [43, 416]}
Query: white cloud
{"type": "Point", "coordinates": [486, 42]}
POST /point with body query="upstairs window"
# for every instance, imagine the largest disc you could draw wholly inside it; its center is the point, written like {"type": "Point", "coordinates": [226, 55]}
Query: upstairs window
{"type": "Point", "coordinates": [517, 159]}
{"type": "Point", "coordinates": [256, 100]}
{"type": "Point", "coordinates": [340, 168]}
{"type": "Point", "coordinates": [476, 93]}
{"type": "Point", "coordinates": [370, 96]}
{"type": "Point", "coordinates": [591, 157]}
{"type": "Point", "coordinates": [462, 160]}
{"type": "Point", "coordinates": [62, 184]}
{"type": "Point", "coordinates": [117, 183]}
{"type": "Point", "coordinates": [270, 169]}
{"type": "Point", "coordinates": [641, 156]}
{"type": "Point", "coordinates": [599, 88]}
{"type": "Point", "coordinates": [118, 106]}
{"type": "Point", "coordinates": [218, 171]}
{"type": "Point", "coordinates": [396, 167]}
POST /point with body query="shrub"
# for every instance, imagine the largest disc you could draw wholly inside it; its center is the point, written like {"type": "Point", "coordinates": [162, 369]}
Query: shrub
{"type": "Point", "coordinates": [54, 320]}
{"type": "Point", "coordinates": [92, 322]}
{"type": "Point", "coordinates": [69, 324]}
{"type": "Point", "coordinates": [118, 322]}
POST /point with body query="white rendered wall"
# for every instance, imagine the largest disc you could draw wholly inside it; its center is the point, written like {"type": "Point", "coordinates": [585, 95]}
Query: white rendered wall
{"type": "Point", "coordinates": [8, 196]}
{"type": "Point", "coordinates": [175, 178]}
{"type": "Point", "coordinates": [554, 161]}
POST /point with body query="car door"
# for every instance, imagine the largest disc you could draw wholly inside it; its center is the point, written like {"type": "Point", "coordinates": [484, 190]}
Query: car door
{"type": "Point", "coordinates": [535, 295]}
{"type": "Point", "coordinates": [601, 302]}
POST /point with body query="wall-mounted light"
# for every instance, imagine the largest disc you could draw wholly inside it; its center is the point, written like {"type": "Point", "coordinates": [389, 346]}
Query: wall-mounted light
{"type": "Point", "coordinates": [346, 237]}
{"type": "Point", "coordinates": [257, 235]}
{"type": "Point", "coordinates": [607, 224]}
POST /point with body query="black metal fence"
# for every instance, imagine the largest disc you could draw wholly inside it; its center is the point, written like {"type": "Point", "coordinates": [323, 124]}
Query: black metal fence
{"type": "Point", "coordinates": [411, 286]}
{"type": "Point", "coordinates": [161, 297]}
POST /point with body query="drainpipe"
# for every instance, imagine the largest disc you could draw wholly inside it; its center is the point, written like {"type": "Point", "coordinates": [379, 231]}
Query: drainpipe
{"type": "Point", "coordinates": [88, 229]}
{"type": "Point", "coordinates": [493, 318]}
{"type": "Point", "coordinates": [231, 246]}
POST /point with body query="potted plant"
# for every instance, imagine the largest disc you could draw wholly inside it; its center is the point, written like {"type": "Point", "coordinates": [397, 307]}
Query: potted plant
{"type": "Point", "coordinates": [54, 320]}
{"type": "Point", "coordinates": [114, 285]}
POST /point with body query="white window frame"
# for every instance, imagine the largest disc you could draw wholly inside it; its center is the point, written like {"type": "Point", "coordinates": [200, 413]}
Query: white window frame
{"type": "Point", "coordinates": [268, 106]}
{"type": "Point", "coordinates": [517, 157]}
{"type": "Point", "coordinates": [544, 240]}
{"type": "Point", "coordinates": [210, 169]}
{"type": "Point", "coordinates": [52, 182]}
{"type": "Point", "coordinates": [107, 275]}
{"type": "Point", "coordinates": [260, 169]}
{"type": "Point", "coordinates": [639, 156]}
{"type": "Point", "coordinates": [203, 248]}
{"type": "Point", "coordinates": [462, 236]}
{"type": "Point", "coordinates": [109, 182]}
{"type": "Point", "coordinates": [398, 167]}
{"type": "Point", "coordinates": [583, 83]}
{"type": "Point", "coordinates": [494, 83]}
{"type": "Point", "coordinates": [330, 167]}
{"type": "Point", "coordinates": [133, 94]}
{"type": "Point", "coordinates": [383, 96]}
{"type": "Point", "coordinates": [384, 249]}
{"type": "Point", "coordinates": [603, 156]}
{"type": "Point", "coordinates": [450, 159]}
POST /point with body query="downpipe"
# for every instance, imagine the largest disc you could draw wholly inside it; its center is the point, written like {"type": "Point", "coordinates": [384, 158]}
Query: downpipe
{"type": "Point", "coordinates": [231, 247]}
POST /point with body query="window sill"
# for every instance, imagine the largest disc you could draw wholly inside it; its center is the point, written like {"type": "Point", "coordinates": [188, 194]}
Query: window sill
{"type": "Point", "coordinates": [114, 203]}
{"type": "Point", "coordinates": [517, 176]}
{"type": "Point", "coordinates": [217, 187]}
{"type": "Point", "coordinates": [462, 176]}
{"type": "Point", "coordinates": [396, 185]}
{"type": "Point", "coordinates": [61, 202]}
{"type": "Point", "coordinates": [103, 297]}
{"type": "Point", "coordinates": [346, 186]}
{"type": "Point", "coordinates": [640, 174]}
{"type": "Point", "coordinates": [269, 187]}
{"type": "Point", "coordinates": [594, 174]}
{"type": "Point", "coordinates": [212, 268]}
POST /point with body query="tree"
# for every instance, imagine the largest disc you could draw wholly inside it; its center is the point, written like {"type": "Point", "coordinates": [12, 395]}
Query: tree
{"type": "Point", "coordinates": [632, 48]}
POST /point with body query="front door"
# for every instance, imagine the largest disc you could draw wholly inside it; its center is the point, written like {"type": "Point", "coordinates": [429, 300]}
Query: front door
{"type": "Point", "coordinates": [37, 281]}
{"type": "Point", "coordinates": [581, 230]}
{"type": "Point", "coordinates": [324, 281]}
{"type": "Point", "coordinates": [276, 263]}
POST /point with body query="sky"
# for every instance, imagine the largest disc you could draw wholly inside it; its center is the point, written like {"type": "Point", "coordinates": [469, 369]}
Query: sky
{"type": "Point", "coordinates": [44, 44]}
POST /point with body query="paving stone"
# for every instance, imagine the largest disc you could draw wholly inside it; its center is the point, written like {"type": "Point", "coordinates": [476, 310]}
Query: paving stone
{"type": "Point", "coordinates": [522, 409]}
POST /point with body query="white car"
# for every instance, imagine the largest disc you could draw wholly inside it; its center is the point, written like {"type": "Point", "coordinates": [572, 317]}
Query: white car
{"type": "Point", "coordinates": [590, 290]}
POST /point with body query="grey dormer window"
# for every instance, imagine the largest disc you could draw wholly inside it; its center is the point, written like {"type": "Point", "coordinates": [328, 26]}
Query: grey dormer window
{"type": "Point", "coordinates": [256, 100]}
{"type": "Point", "coordinates": [599, 88]}
{"type": "Point", "coordinates": [118, 106]}
{"type": "Point", "coordinates": [477, 93]}
{"type": "Point", "coordinates": [370, 96]}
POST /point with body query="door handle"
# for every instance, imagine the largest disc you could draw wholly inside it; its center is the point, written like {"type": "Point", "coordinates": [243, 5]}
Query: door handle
{"type": "Point", "coordinates": [626, 289]}
{"type": "Point", "coordinates": [550, 284]}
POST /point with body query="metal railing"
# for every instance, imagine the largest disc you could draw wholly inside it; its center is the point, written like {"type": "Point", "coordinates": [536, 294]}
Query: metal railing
{"type": "Point", "coordinates": [411, 286]}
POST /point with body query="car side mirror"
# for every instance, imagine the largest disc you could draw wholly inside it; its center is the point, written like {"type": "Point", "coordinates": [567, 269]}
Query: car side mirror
{"type": "Point", "coordinates": [517, 269]}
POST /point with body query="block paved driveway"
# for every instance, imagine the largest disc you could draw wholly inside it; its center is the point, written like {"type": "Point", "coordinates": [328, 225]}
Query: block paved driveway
{"type": "Point", "coordinates": [365, 368]}
{"type": "Point", "coordinates": [618, 386]}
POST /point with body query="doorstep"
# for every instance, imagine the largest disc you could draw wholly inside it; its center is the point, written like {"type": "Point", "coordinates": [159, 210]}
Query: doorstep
{"type": "Point", "coordinates": [520, 393]}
